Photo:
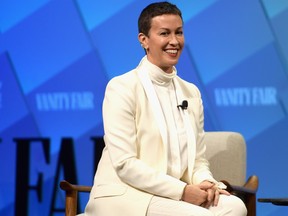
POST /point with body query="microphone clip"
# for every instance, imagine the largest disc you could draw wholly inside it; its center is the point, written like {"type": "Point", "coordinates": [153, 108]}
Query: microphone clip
{"type": "Point", "coordinates": [184, 105]}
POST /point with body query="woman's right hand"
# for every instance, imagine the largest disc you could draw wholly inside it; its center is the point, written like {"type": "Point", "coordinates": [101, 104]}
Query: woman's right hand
{"type": "Point", "coordinates": [194, 194]}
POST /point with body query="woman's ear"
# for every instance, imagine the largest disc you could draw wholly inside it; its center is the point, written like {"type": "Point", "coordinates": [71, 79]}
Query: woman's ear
{"type": "Point", "coordinates": [143, 40]}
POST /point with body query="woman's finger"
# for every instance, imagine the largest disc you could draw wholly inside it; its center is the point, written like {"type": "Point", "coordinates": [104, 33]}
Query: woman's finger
{"type": "Point", "coordinates": [216, 197]}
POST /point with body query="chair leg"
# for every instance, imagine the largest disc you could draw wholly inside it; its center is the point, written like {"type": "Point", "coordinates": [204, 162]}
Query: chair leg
{"type": "Point", "coordinates": [71, 203]}
{"type": "Point", "coordinates": [251, 205]}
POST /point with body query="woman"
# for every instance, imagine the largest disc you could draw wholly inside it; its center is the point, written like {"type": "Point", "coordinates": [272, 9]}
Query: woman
{"type": "Point", "coordinates": [154, 159]}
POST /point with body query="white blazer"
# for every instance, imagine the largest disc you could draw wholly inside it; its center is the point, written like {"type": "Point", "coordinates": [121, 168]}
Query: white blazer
{"type": "Point", "coordinates": [134, 161]}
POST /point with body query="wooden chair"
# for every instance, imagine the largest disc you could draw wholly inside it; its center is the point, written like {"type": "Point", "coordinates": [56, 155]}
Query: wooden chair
{"type": "Point", "coordinates": [226, 152]}
{"type": "Point", "coordinates": [71, 198]}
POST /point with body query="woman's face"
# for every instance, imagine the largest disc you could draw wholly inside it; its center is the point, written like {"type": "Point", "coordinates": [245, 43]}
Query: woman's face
{"type": "Point", "coordinates": [164, 42]}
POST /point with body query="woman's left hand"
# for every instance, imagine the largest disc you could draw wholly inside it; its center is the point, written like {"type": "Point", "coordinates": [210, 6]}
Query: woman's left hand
{"type": "Point", "coordinates": [213, 193]}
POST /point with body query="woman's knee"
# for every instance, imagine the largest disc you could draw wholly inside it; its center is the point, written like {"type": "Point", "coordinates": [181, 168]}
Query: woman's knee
{"type": "Point", "coordinates": [239, 207]}
{"type": "Point", "coordinates": [236, 205]}
{"type": "Point", "coordinates": [206, 213]}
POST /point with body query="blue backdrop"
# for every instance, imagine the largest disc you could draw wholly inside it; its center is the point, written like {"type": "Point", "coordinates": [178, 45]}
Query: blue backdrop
{"type": "Point", "coordinates": [56, 58]}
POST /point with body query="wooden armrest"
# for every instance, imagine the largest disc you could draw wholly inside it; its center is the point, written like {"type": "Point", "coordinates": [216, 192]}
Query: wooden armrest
{"type": "Point", "coordinates": [242, 190]}
{"type": "Point", "coordinates": [66, 186]}
{"type": "Point", "coordinates": [250, 187]}
{"type": "Point", "coordinates": [252, 183]}
{"type": "Point", "coordinates": [71, 196]}
{"type": "Point", "coordinates": [247, 193]}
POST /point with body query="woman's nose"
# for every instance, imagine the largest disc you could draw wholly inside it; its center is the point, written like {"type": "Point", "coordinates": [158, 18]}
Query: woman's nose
{"type": "Point", "coordinates": [174, 39]}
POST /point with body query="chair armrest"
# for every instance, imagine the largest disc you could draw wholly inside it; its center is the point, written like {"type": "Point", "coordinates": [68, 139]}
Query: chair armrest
{"type": "Point", "coordinates": [250, 187]}
{"type": "Point", "coordinates": [247, 193]}
{"type": "Point", "coordinates": [71, 196]}
{"type": "Point", "coordinates": [252, 183]}
{"type": "Point", "coordinates": [66, 186]}
{"type": "Point", "coordinates": [242, 190]}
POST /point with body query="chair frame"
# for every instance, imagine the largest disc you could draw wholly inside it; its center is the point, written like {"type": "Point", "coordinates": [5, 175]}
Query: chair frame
{"type": "Point", "coordinates": [71, 196]}
{"type": "Point", "coordinates": [247, 193]}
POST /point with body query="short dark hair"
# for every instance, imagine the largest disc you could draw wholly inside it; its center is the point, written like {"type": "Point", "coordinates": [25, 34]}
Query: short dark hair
{"type": "Point", "coordinates": [153, 10]}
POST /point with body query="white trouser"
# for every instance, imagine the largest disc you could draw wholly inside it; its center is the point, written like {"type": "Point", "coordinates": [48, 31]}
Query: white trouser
{"type": "Point", "coordinates": [228, 206]}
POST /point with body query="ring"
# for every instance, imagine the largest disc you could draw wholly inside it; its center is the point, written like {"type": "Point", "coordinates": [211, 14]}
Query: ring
{"type": "Point", "coordinates": [221, 186]}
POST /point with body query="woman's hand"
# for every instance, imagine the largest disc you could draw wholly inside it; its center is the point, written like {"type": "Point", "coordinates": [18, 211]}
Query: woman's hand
{"type": "Point", "coordinates": [205, 194]}
{"type": "Point", "coordinates": [213, 193]}
{"type": "Point", "coordinates": [194, 194]}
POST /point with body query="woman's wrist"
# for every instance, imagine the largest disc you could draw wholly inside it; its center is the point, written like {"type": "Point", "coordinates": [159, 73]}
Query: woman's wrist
{"type": "Point", "coordinates": [183, 193]}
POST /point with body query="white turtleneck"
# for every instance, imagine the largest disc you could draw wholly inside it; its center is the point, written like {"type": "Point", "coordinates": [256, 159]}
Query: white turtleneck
{"type": "Point", "coordinates": [176, 132]}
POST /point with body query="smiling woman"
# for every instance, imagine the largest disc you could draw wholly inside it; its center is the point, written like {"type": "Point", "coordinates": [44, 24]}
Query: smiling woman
{"type": "Point", "coordinates": [164, 42]}
{"type": "Point", "coordinates": [56, 58]}
{"type": "Point", "coordinates": [154, 161]}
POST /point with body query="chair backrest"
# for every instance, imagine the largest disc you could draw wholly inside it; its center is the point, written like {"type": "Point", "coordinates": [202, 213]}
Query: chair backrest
{"type": "Point", "coordinates": [226, 153]}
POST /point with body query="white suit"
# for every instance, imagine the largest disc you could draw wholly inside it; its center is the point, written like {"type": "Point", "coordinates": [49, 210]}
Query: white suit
{"type": "Point", "coordinates": [133, 166]}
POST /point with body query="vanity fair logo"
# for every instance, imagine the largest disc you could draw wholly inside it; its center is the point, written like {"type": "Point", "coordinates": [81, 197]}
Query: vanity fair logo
{"type": "Point", "coordinates": [255, 96]}
{"type": "Point", "coordinates": [64, 101]}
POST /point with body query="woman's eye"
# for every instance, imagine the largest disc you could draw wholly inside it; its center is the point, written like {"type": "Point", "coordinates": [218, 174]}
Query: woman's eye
{"type": "Point", "coordinates": [164, 33]}
{"type": "Point", "coordinates": [179, 33]}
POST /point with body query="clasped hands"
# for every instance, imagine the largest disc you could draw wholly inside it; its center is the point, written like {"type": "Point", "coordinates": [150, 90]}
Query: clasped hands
{"type": "Point", "coordinates": [205, 194]}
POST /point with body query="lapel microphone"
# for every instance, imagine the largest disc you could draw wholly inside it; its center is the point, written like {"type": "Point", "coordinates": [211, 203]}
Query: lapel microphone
{"type": "Point", "coordinates": [184, 105]}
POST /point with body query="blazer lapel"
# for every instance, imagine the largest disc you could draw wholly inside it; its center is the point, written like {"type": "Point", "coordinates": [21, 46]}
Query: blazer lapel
{"type": "Point", "coordinates": [153, 100]}
{"type": "Point", "coordinates": [191, 140]}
